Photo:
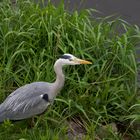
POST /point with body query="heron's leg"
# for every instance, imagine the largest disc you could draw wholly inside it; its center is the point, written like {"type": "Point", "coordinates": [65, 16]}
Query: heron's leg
{"type": "Point", "coordinates": [31, 122]}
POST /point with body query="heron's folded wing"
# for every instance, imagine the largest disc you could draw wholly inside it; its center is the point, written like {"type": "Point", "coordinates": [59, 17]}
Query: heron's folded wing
{"type": "Point", "coordinates": [27, 108]}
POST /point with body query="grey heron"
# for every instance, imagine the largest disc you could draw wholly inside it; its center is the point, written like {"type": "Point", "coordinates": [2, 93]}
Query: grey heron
{"type": "Point", "coordinates": [33, 99]}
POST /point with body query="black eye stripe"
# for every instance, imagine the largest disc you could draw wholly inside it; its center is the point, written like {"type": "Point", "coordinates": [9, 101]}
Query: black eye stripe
{"type": "Point", "coordinates": [66, 57]}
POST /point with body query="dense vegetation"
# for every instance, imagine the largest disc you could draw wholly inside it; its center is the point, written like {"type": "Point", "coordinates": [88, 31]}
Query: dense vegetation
{"type": "Point", "coordinates": [106, 92]}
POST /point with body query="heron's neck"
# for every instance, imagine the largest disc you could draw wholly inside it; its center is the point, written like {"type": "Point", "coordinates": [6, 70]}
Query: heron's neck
{"type": "Point", "coordinates": [60, 78]}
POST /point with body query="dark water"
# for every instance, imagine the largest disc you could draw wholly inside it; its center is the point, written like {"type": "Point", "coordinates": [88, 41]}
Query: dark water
{"type": "Point", "coordinates": [129, 10]}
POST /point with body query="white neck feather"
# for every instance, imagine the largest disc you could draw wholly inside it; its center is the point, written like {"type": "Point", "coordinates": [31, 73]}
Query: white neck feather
{"type": "Point", "coordinates": [60, 78]}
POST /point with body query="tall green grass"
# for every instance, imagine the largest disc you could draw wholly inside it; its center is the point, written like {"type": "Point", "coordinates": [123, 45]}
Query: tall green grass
{"type": "Point", "coordinates": [33, 37]}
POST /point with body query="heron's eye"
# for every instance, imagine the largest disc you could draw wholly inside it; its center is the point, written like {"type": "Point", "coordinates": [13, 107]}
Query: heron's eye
{"type": "Point", "coordinates": [70, 59]}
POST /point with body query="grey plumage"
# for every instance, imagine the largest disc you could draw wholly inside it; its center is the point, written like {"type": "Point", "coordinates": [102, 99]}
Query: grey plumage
{"type": "Point", "coordinates": [25, 102]}
{"type": "Point", "coordinates": [33, 99]}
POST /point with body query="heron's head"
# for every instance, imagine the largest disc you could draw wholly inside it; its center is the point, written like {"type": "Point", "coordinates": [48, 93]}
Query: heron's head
{"type": "Point", "coordinates": [69, 59]}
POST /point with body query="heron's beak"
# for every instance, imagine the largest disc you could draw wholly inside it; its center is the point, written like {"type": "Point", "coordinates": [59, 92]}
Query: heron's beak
{"type": "Point", "coordinates": [80, 61]}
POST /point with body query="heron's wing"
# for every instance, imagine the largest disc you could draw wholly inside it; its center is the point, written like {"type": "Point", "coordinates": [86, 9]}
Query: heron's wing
{"type": "Point", "coordinates": [29, 91]}
{"type": "Point", "coordinates": [27, 107]}
{"type": "Point", "coordinates": [26, 101]}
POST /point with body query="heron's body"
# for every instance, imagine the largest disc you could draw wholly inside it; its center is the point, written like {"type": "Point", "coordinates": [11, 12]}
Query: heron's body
{"type": "Point", "coordinates": [33, 99]}
{"type": "Point", "coordinates": [26, 101]}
